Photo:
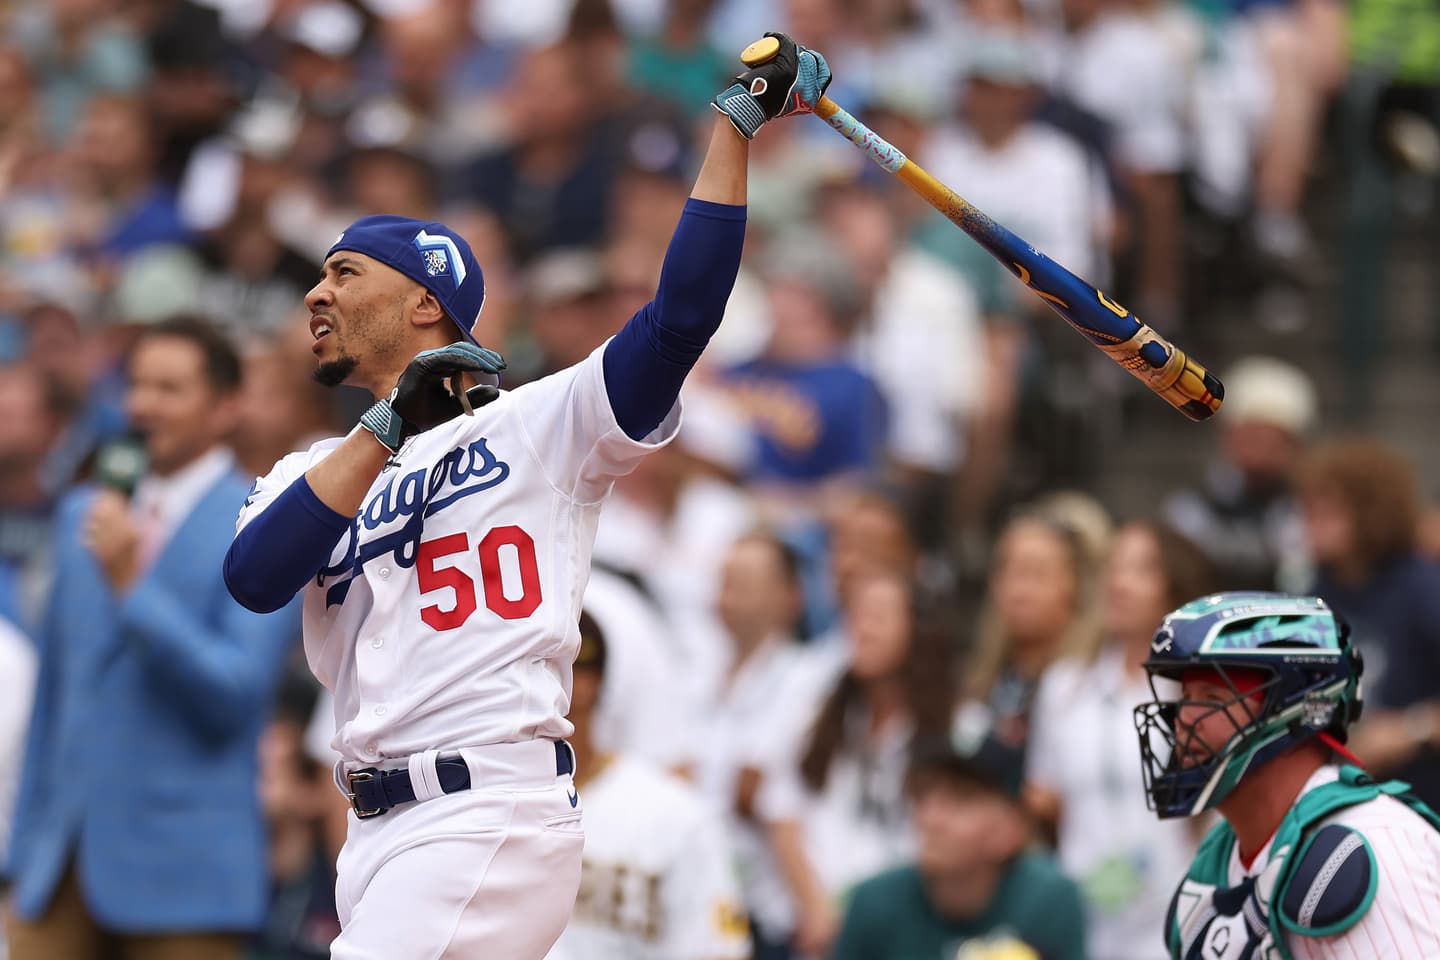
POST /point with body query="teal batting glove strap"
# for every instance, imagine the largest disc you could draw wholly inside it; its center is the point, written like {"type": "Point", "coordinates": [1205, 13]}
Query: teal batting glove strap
{"type": "Point", "coordinates": [743, 109]}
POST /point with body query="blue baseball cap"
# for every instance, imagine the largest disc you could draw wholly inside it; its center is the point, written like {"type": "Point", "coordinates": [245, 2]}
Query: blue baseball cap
{"type": "Point", "coordinates": [427, 252]}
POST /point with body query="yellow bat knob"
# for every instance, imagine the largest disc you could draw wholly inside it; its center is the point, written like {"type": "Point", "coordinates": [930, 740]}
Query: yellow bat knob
{"type": "Point", "coordinates": [758, 52]}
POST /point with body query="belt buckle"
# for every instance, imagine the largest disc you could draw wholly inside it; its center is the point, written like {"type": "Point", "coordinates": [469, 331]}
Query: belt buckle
{"type": "Point", "coordinates": [365, 775]}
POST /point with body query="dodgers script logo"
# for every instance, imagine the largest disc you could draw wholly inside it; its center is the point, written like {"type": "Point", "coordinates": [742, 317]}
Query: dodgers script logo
{"type": "Point", "coordinates": [463, 472]}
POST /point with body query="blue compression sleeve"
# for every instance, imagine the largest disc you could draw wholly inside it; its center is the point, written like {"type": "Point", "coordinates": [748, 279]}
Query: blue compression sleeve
{"type": "Point", "coordinates": [647, 361]}
{"type": "Point", "coordinates": [280, 550]}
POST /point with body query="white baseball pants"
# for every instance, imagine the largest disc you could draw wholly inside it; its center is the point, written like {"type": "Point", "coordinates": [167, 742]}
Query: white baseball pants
{"type": "Point", "coordinates": [487, 872]}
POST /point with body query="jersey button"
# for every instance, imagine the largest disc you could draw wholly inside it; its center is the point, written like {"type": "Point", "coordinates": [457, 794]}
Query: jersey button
{"type": "Point", "coordinates": [377, 643]}
{"type": "Point", "coordinates": [380, 710]}
{"type": "Point", "coordinates": [373, 749]}
{"type": "Point", "coordinates": [384, 573]}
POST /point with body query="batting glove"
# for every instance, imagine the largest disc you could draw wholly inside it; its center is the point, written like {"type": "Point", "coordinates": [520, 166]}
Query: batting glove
{"type": "Point", "coordinates": [791, 81]}
{"type": "Point", "coordinates": [422, 399]}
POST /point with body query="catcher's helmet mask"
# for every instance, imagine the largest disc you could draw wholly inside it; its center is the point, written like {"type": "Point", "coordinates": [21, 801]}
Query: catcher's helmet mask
{"type": "Point", "coordinates": [1309, 683]}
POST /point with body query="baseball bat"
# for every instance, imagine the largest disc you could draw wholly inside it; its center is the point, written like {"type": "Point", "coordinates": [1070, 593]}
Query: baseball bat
{"type": "Point", "coordinates": [1164, 368]}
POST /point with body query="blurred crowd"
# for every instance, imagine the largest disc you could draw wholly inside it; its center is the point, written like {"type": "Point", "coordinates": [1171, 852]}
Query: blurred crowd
{"type": "Point", "coordinates": [879, 527]}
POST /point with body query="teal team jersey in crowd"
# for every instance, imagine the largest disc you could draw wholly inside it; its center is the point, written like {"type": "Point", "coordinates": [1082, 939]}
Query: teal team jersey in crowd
{"type": "Point", "coordinates": [891, 918]}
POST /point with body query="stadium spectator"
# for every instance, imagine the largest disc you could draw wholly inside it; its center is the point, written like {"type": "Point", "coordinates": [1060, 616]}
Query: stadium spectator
{"type": "Point", "coordinates": [897, 687]}
{"type": "Point", "coordinates": [916, 331]}
{"type": "Point", "coordinates": [284, 408]}
{"type": "Point", "coordinates": [1128, 62]}
{"type": "Point", "coordinates": [122, 206]}
{"type": "Point", "coordinates": [30, 421]}
{"type": "Point", "coordinates": [668, 528]}
{"type": "Point", "coordinates": [567, 291]}
{"type": "Point", "coordinates": [1081, 781]}
{"type": "Point", "coordinates": [679, 62]}
{"type": "Point", "coordinates": [550, 183]}
{"type": "Point", "coordinates": [1040, 606]}
{"type": "Point", "coordinates": [766, 696]}
{"type": "Point", "coordinates": [819, 420]}
{"type": "Point", "coordinates": [1026, 174]}
{"type": "Point", "coordinates": [1244, 515]}
{"type": "Point", "coordinates": [974, 888]}
{"type": "Point", "coordinates": [1361, 513]}
{"type": "Point", "coordinates": [865, 530]}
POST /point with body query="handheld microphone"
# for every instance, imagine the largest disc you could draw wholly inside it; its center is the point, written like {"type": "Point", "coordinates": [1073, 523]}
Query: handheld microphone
{"type": "Point", "coordinates": [120, 463]}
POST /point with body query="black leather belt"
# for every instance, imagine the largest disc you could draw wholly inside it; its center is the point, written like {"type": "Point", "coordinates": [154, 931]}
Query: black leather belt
{"type": "Point", "coordinates": [374, 792]}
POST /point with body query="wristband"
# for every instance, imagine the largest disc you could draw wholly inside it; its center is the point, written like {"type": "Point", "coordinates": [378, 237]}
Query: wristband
{"type": "Point", "coordinates": [740, 105]}
{"type": "Point", "coordinates": [387, 425]}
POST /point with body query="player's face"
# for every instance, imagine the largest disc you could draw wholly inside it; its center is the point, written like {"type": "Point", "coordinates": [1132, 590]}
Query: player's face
{"type": "Point", "coordinates": [173, 404]}
{"type": "Point", "coordinates": [356, 316]}
{"type": "Point", "coordinates": [1209, 716]}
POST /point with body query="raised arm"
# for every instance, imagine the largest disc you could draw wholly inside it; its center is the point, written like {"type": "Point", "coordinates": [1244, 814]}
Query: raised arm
{"type": "Point", "coordinates": [648, 360]}
{"type": "Point", "coordinates": [722, 176]}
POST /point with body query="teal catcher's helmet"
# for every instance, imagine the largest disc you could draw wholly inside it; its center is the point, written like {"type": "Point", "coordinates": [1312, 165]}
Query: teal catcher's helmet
{"type": "Point", "coordinates": [1295, 651]}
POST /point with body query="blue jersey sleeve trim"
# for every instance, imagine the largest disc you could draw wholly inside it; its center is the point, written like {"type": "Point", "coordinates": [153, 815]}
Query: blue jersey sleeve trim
{"type": "Point", "coordinates": [277, 553]}
{"type": "Point", "coordinates": [647, 361]}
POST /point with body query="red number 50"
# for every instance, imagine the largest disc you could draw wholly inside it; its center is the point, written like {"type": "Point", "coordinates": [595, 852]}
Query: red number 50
{"type": "Point", "coordinates": [492, 582]}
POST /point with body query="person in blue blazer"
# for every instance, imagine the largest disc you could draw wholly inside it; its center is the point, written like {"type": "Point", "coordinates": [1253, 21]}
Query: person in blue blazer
{"type": "Point", "coordinates": [137, 827]}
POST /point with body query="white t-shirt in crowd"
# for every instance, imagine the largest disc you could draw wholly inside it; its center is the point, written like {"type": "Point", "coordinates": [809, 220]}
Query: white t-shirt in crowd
{"type": "Point", "coordinates": [1040, 185]}
{"type": "Point", "coordinates": [758, 721]}
{"type": "Point", "coordinates": [1126, 69]}
{"type": "Point", "coordinates": [658, 880]}
{"type": "Point", "coordinates": [1083, 748]}
{"type": "Point", "coordinates": [858, 823]}
{"type": "Point", "coordinates": [923, 345]}
{"type": "Point", "coordinates": [644, 711]}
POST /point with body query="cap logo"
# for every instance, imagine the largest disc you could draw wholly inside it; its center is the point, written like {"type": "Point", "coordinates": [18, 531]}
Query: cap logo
{"type": "Point", "coordinates": [441, 256]}
{"type": "Point", "coordinates": [436, 262]}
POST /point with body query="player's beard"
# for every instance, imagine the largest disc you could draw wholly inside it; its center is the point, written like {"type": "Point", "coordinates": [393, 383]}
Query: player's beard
{"type": "Point", "coordinates": [332, 373]}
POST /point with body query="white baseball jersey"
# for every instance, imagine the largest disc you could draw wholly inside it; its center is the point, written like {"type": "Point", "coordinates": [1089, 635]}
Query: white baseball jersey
{"type": "Point", "coordinates": [658, 878]}
{"type": "Point", "coordinates": [446, 616]}
{"type": "Point", "coordinates": [1403, 921]}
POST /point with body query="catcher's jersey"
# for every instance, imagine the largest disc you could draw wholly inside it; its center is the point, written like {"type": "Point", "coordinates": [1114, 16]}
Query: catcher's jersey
{"type": "Point", "coordinates": [658, 878]}
{"type": "Point", "coordinates": [446, 616]}
{"type": "Point", "coordinates": [1402, 921]}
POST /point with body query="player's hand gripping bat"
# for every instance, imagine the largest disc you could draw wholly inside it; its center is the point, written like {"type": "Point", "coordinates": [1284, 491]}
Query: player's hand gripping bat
{"type": "Point", "coordinates": [1155, 361]}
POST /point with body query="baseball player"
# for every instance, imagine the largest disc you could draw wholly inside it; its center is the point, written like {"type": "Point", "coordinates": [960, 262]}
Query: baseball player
{"type": "Point", "coordinates": [443, 555]}
{"type": "Point", "coordinates": [1313, 860]}
{"type": "Point", "coordinates": [658, 880]}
